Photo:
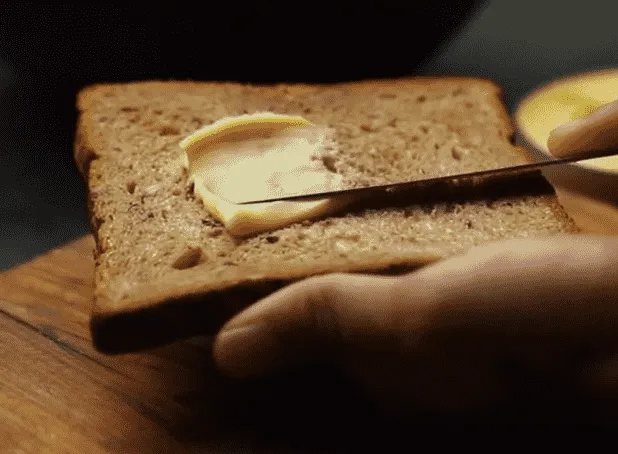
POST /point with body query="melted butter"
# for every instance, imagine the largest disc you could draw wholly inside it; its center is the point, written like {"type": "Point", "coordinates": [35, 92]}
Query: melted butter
{"type": "Point", "coordinates": [260, 156]}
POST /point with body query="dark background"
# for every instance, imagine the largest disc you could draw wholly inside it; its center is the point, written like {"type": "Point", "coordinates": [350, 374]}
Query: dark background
{"type": "Point", "coordinates": [47, 52]}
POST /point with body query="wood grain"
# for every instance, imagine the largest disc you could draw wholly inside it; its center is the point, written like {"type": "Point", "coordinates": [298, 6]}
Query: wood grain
{"type": "Point", "coordinates": [58, 394]}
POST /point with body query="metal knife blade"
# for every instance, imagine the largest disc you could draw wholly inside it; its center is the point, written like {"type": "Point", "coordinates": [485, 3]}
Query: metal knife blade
{"type": "Point", "coordinates": [524, 170]}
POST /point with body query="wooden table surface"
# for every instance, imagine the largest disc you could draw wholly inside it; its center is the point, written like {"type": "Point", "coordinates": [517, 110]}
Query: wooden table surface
{"type": "Point", "coordinates": [58, 394]}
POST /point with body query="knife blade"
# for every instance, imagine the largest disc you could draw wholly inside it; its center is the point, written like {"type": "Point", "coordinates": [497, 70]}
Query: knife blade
{"type": "Point", "coordinates": [523, 170]}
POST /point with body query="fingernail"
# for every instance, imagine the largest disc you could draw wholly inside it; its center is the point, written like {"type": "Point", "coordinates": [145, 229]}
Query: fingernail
{"type": "Point", "coordinates": [244, 352]}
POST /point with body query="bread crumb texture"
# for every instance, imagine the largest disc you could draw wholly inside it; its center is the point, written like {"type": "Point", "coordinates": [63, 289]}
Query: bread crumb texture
{"type": "Point", "coordinates": [152, 233]}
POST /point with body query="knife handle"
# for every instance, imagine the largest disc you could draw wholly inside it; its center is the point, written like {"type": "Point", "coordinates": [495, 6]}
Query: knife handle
{"type": "Point", "coordinates": [596, 131]}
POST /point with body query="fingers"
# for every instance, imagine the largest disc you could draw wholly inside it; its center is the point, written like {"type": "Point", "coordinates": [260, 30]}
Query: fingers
{"type": "Point", "coordinates": [547, 307]}
{"type": "Point", "coordinates": [560, 289]}
{"type": "Point", "coordinates": [538, 300]}
{"type": "Point", "coordinates": [322, 316]}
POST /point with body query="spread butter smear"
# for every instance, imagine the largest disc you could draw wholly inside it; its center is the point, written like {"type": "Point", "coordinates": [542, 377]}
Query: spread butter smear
{"type": "Point", "coordinates": [261, 155]}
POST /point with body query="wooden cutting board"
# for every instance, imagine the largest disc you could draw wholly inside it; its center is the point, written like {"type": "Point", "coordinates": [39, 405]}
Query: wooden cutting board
{"type": "Point", "coordinates": [57, 394]}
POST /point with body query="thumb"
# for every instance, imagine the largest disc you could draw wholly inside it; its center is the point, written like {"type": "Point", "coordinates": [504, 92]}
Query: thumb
{"type": "Point", "coordinates": [318, 318]}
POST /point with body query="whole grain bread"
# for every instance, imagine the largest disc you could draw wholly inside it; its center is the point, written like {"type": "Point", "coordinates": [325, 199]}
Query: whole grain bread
{"type": "Point", "coordinates": [166, 269]}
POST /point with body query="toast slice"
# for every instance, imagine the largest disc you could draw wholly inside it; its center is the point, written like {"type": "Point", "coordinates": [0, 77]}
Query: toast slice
{"type": "Point", "coordinates": [166, 269]}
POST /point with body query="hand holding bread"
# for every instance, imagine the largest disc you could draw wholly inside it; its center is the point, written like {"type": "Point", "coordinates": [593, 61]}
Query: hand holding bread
{"type": "Point", "coordinates": [510, 320]}
{"type": "Point", "coordinates": [516, 319]}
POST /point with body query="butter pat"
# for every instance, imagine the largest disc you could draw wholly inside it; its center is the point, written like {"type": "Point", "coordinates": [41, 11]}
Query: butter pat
{"type": "Point", "coordinates": [259, 156]}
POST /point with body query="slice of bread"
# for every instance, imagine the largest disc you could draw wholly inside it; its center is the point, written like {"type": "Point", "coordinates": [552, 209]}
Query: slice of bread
{"type": "Point", "coordinates": [165, 269]}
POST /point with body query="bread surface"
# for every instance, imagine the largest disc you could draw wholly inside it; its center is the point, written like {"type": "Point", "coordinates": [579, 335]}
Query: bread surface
{"type": "Point", "coordinates": [166, 269]}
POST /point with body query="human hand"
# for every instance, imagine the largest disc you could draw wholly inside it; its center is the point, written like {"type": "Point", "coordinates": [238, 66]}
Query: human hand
{"type": "Point", "coordinates": [514, 319]}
